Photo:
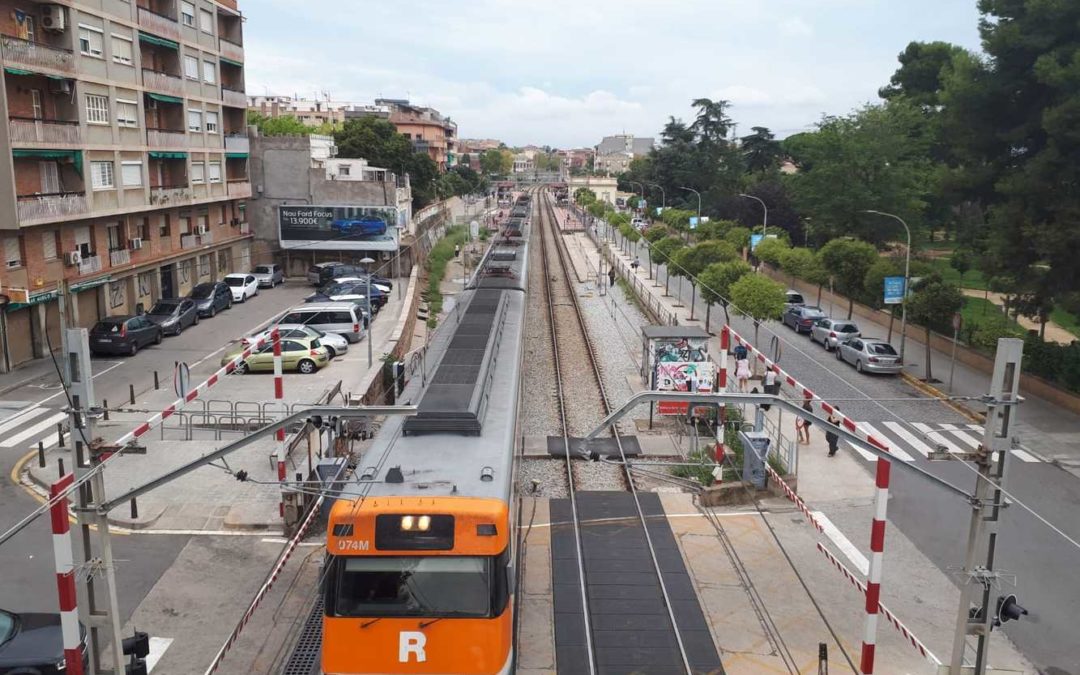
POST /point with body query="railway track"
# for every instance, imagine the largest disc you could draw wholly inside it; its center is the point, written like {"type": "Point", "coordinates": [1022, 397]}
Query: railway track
{"type": "Point", "coordinates": [588, 407]}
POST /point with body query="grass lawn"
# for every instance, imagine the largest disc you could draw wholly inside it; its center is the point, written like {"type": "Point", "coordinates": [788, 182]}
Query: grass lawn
{"type": "Point", "coordinates": [977, 310]}
{"type": "Point", "coordinates": [973, 278]}
{"type": "Point", "coordinates": [1069, 322]}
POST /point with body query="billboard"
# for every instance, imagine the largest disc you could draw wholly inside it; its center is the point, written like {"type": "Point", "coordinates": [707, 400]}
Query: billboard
{"type": "Point", "coordinates": [337, 228]}
{"type": "Point", "coordinates": [681, 364]}
{"type": "Point", "coordinates": [894, 290]}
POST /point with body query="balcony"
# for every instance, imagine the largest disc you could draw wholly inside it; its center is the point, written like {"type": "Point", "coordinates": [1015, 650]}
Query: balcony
{"type": "Point", "coordinates": [166, 138]}
{"type": "Point", "coordinates": [231, 50]}
{"type": "Point", "coordinates": [245, 229]}
{"type": "Point", "coordinates": [90, 264]}
{"type": "Point", "coordinates": [170, 194]}
{"type": "Point", "coordinates": [20, 52]}
{"type": "Point", "coordinates": [237, 143]}
{"type": "Point", "coordinates": [239, 188]}
{"type": "Point", "coordinates": [51, 206]}
{"type": "Point", "coordinates": [188, 241]}
{"type": "Point", "coordinates": [119, 257]}
{"type": "Point", "coordinates": [236, 99]}
{"type": "Point", "coordinates": [206, 238]}
{"type": "Point", "coordinates": [24, 130]}
{"type": "Point", "coordinates": [163, 25]}
{"type": "Point", "coordinates": [158, 81]}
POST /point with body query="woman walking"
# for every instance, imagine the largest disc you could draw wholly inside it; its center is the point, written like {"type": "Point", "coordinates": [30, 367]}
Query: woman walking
{"type": "Point", "coordinates": [742, 373]}
{"type": "Point", "coordinates": [802, 426]}
{"type": "Point", "coordinates": [830, 436]}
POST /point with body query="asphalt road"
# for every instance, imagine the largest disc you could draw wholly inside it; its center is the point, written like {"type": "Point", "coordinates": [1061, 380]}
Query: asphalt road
{"type": "Point", "coordinates": [1043, 562]}
{"type": "Point", "coordinates": [28, 582]}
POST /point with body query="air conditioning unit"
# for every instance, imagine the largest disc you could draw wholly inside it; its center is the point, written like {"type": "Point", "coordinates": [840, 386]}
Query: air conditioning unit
{"type": "Point", "coordinates": [135, 243]}
{"type": "Point", "coordinates": [52, 18]}
{"type": "Point", "coordinates": [201, 229]}
{"type": "Point", "coordinates": [60, 86]}
{"type": "Point", "coordinates": [385, 255]}
{"type": "Point", "coordinates": [73, 259]}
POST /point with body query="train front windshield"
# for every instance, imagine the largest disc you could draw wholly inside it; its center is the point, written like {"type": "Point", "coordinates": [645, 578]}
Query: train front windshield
{"type": "Point", "coordinates": [428, 586]}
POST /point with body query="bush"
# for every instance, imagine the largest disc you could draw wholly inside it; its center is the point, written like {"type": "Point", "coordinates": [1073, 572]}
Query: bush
{"type": "Point", "coordinates": [984, 333]}
{"type": "Point", "coordinates": [440, 255]}
{"type": "Point", "coordinates": [771, 251]}
{"type": "Point", "coordinates": [1059, 364]}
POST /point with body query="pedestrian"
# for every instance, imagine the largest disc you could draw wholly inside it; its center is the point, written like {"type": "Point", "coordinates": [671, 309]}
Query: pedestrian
{"type": "Point", "coordinates": [742, 373]}
{"type": "Point", "coordinates": [611, 277]}
{"type": "Point", "coordinates": [831, 436]}
{"type": "Point", "coordinates": [771, 386]}
{"type": "Point", "coordinates": [803, 429]}
{"type": "Point", "coordinates": [636, 263]}
{"type": "Point", "coordinates": [457, 250]}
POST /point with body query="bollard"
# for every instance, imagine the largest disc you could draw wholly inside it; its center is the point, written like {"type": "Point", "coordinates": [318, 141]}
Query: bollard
{"type": "Point", "coordinates": [60, 433]}
{"type": "Point", "coordinates": [105, 405]}
{"type": "Point", "coordinates": [134, 509]}
{"type": "Point", "coordinates": [60, 465]}
{"type": "Point", "coordinates": [157, 385]}
{"type": "Point", "coordinates": [41, 454]}
{"type": "Point", "coordinates": [131, 393]}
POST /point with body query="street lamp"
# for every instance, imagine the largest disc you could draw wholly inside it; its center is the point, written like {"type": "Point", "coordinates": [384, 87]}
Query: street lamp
{"type": "Point", "coordinates": [698, 203]}
{"type": "Point", "coordinates": [907, 278]}
{"type": "Point", "coordinates": [367, 263]}
{"type": "Point", "coordinates": [765, 224]}
{"type": "Point", "coordinates": [663, 195]}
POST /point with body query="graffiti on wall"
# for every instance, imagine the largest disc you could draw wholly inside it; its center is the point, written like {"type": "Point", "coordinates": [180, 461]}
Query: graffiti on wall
{"type": "Point", "coordinates": [185, 271]}
{"type": "Point", "coordinates": [145, 284]}
{"type": "Point", "coordinates": [681, 364]}
{"type": "Point", "coordinates": [117, 297]}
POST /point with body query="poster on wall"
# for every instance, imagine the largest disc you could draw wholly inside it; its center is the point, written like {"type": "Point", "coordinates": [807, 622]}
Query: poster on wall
{"type": "Point", "coordinates": [681, 364]}
{"type": "Point", "coordinates": [339, 228]}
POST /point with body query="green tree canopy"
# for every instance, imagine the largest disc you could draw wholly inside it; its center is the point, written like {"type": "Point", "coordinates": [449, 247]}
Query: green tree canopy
{"type": "Point", "coordinates": [771, 251]}
{"type": "Point", "coordinates": [285, 125]}
{"type": "Point", "coordinates": [932, 304]}
{"type": "Point", "coordinates": [761, 151]}
{"type": "Point", "coordinates": [802, 263]}
{"type": "Point", "coordinates": [378, 141]}
{"type": "Point", "coordinates": [716, 281]}
{"type": "Point", "coordinates": [739, 237]}
{"type": "Point", "coordinates": [847, 261]}
{"type": "Point", "coordinates": [496, 162]}
{"type": "Point", "coordinates": [759, 298]}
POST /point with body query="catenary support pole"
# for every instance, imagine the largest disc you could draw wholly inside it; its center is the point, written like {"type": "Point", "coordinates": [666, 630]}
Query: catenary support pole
{"type": "Point", "coordinates": [279, 396]}
{"type": "Point", "coordinates": [65, 576]}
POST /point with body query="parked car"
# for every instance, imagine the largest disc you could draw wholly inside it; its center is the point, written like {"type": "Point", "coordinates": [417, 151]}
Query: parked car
{"type": "Point", "coordinates": [304, 355]}
{"type": "Point", "coordinates": [211, 297]}
{"type": "Point", "coordinates": [124, 335]}
{"type": "Point", "coordinates": [268, 276]}
{"type": "Point", "coordinates": [319, 273]}
{"type": "Point", "coordinates": [34, 643]}
{"type": "Point", "coordinates": [792, 299]}
{"type": "Point", "coordinates": [325, 273]}
{"type": "Point", "coordinates": [337, 292]}
{"type": "Point", "coordinates": [873, 356]}
{"type": "Point", "coordinates": [344, 318]}
{"type": "Point", "coordinates": [802, 318]}
{"type": "Point", "coordinates": [360, 227]}
{"type": "Point", "coordinates": [831, 332]}
{"type": "Point", "coordinates": [242, 286]}
{"type": "Point", "coordinates": [336, 344]}
{"type": "Point", "coordinates": [174, 314]}
{"type": "Point", "coordinates": [383, 285]}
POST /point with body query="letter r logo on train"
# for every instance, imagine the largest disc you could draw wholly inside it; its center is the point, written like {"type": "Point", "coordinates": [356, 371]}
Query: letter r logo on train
{"type": "Point", "coordinates": [411, 643]}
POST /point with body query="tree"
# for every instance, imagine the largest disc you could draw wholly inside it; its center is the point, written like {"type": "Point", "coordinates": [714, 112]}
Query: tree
{"type": "Point", "coordinates": [712, 122]}
{"type": "Point", "coordinates": [378, 141]}
{"type": "Point", "coordinates": [761, 152]}
{"type": "Point", "coordinates": [739, 237]}
{"type": "Point", "coordinates": [663, 252]}
{"type": "Point", "coordinates": [716, 281]}
{"type": "Point", "coordinates": [496, 162]}
{"type": "Point", "coordinates": [759, 298]}
{"type": "Point", "coordinates": [285, 125]}
{"type": "Point", "coordinates": [584, 196]}
{"type": "Point", "coordinates": [846, 261]}
{"type": "Point", "coordinates": [932, 304]}
{"type": "Point", "coordinates": [691, 261]}
{"type": "Point", "coordinates": [801, 263]}
{"type": "Point", "coordinates": [771, 251]}
{"type": "Point", "coordinates": [714, 229]}
{"type": "Point", "coordinates": [961, 260]}
{"type": "Point", "coordinates": [920, 77]}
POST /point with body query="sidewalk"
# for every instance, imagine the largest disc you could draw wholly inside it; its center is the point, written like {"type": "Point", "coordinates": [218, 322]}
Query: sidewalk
{"type": "Point", "coordinates": [1054, 332]}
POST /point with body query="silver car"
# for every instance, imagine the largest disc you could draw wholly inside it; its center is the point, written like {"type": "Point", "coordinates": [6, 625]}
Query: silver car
{"type": "Point", "coordinates": [268, 276]}
{"type": "Point", "coordinates": [870, 356]}
{"type": "Point", "coordinates": [336, 344]}
{"type": "Point", "coordinates": [831, 332]}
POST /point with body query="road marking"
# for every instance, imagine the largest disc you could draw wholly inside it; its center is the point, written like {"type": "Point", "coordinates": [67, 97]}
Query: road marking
{"type": "Point", "coordinates": [897, 451]}
{"type": "Point", "coordinates": [913, 441]}
{"type": "Point", "coordinates": [96, 375]}
{"type": "Point", "coordinates": [1024, 456]}
{"type": "Point", "coordinates": [23, 415]}
{"type": "Point", "coordinates": [937, 437]}
{"type": "Point", "coordinates": [843, 543]}
{"type": "Point", "coordinates": [964, 438]}
{"type": "Point", "coordinates": [158, 645]}
{"type": "Point", "coordinates": [35, 430]}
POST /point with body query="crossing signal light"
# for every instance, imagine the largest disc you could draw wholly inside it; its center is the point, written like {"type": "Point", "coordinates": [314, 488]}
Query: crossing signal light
{"type": "Point", "coordinates": [1008, 609]}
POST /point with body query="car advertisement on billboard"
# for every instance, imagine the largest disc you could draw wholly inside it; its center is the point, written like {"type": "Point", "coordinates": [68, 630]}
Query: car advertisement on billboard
{"type": "Point", "coordinates": [349, 228]}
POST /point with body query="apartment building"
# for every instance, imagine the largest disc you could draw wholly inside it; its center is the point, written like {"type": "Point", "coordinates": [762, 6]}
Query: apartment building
{"type": "Point", "coordinates": [124, 162]}
{"type": "Point", "coordinates": [313, 112]}
{"type": "Point", "coordinates": [430, 131]}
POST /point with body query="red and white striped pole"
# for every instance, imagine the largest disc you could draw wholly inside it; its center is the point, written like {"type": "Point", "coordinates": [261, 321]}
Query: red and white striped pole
{"type": "Point", "coordinates": [721, 385]}
{"type": "Point", "coordinates": [65, 574]}
{"type": "Point", "coordinates": [279, 396]}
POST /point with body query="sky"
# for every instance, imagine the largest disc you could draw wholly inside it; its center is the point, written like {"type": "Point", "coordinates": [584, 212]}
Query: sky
{"type": "Point", "coordinates": [567, 72]}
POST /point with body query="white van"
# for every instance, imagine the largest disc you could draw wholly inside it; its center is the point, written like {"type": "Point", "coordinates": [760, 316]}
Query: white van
{"type": "Point", "coordinates": [343, 318]}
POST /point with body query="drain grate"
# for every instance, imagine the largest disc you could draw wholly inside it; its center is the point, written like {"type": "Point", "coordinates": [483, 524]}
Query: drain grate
{"type": "Point", "coordinates": [305, 659]}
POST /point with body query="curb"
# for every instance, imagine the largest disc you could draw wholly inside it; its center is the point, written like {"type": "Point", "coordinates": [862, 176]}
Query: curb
{"type": "Point", "coordinates": [931, 390]}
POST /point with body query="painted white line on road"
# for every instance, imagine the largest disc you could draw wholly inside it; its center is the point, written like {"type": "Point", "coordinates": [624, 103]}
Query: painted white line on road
{"type": "Point", "coordinates": [971, 443]}
{"type": "Point", "coordinates": [897, 451]}
{"type": "Point", "coordinates": [21, 417]}
{"type": "Point", "coordinates": [976, 427]}
{"type": "Point", "coordinates": [913, 441]}
{"type": "Point", "coordinates": [96, 375]}
{"type": "Point", "coordinates": [35, 430]}
{"type": "Point", "coordinates": [843, 543]}
{"type": "Point", "coordinates": [937, 437]}
{"type": "Point", "coordinates": [1024, 456]}
{"type": "Point", "coordinates": [158, 645]}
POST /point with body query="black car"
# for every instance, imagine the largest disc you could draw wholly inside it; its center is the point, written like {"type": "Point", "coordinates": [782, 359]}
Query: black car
{"type": "Point", "coordinates": [802, 317]}
{"type": "Point", "coordinates": [211, 297]}
{"type": "Point", "coordinates": [328, 272]}
{"type": "Point", "coordinates": [34, 643]}
{"type": "Point", "coordinates": [378, 298]}
{"type": "Point", "coordinates": [174, 314]}
{"type": "Point", "coordinates": [124, 335]}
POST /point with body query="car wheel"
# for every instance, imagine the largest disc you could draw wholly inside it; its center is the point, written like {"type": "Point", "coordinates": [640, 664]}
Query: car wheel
{"type": "Point", "coordinates": [306, 366]}
{"type": "Point", "coordinates": [241, 368]}
{"type": "Point", "coordinates": [839, 354]}
{"type": "Point", "coordinates": [196, 321]}
{"type": "Point", "coordinates": [134, 349]}
{"type": "Point", "coordinates": [858, 366]}
{"type": "Point", "coordinates": [161, 336]}
{"type": "Point", "coordinates": [243, 298]}
{"type": "Point", "coordinates": [229, 306]}
{"type": "Point", "coordinates": [333, 352]}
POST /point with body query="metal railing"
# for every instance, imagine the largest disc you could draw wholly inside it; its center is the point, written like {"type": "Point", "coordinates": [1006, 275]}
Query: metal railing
{"type": "Point", "coordinates": [189, 241]}
{"type": "Point", "coordinates": [239, 187]}
{"type": "Point", "coordinates": [36, 54]}
{"type": "Point", "coordinates": [166, 138]}
{"type": "Point", "coordinates": [120, 256]}
{"type": "Point", "coordinates": [32, 130]}
{"type": "Point", "coordinates": [90, 265]}
{"type": "Point", "coordinates": [245, 229]}
{"type": "Point", "coordinates": [173, 194]}
{"type": "Point", "coordinates": [54, 205]}
{"type": "Point", "coordinates": [159, 81]}
{"type": "Point", "coordinates": [237, 143]}
{"type": "Point", "coordinates": [162, 24]}
{"type": "Point", "coordinates": [233, 97]}
{"type": "Point", "coordinates": [231, 50]}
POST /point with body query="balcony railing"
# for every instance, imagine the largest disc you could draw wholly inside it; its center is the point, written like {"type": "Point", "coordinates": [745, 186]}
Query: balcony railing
{"type": "Point", "coordinates": [206, 238]}
{"type": "Point", "coordinates": [245, 229]}
{"type": "Point", "coordinates": [231, 50]}
{"type": "Point", "coordinates": [237, 143]}
{"type": "Point", "coordinates": [163, 25]}
{"type": "Point", "coordinates": [90, 264]}
{"type": "Point", "coordinates": [170, 194]}
{"type": "Point", "coordinates": [120, 256]}
{"type": "Point", "coordinates": [189, 241]}
{"type": "Point", "coordinates": [237, 99]}
{"type": "Point", "coordinates": [30, 130]}
{"type": "Point", "coordinates": [51, 206]}
{"type": "Point", "coordinates": [158, 81]}
{"type": "Point", "coordinates": [21, 52]}
{"type": "Point", "coordinates": [239, 187]}
{"type": "Point", "coordinates": [166, 138]}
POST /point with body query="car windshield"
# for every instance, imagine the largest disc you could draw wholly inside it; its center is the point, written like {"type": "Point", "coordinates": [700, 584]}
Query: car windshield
{"type": "Point", "coordinates": [812, 313]}
{"type": "Point", "coordinates": [8, 624]}
{"type": "Point", "coordinates": [880, 348]}
{"type": "Point", "coordinates": [201, 292]}
{"type": "Point", "coordinates": [234, 281]}
{"type": "Point", "coordinates": [263, 269]}
{"type": "Point", "coordinates": [164, 308]}
{"type": "Point", "coordinates": [794, 298]}
{"type": "Point", "coordinates": [428, 586]}
{"type": "Point", "coordinates": [847, 328]}
{"type": "Point", "coordinates": [107, 327]}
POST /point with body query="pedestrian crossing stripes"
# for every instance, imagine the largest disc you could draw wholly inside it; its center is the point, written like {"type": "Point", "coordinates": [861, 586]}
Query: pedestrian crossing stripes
{"type": "Point", "coordinates": [906, 440]}
{"type": "Point", "coordinates": [28, 425]}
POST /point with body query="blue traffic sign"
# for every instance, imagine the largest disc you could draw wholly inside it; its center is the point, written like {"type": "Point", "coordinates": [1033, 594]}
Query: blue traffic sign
{"type": "Point", "coordinates": [894, 290]}
{"type": "Point", "coordinates": [755, 239]}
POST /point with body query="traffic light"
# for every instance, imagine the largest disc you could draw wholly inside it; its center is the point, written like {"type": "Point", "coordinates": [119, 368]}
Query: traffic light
{"type": "Point", "coordinates": [137, 647]}
{"type": "Point", "coordinates": [1008, 609]}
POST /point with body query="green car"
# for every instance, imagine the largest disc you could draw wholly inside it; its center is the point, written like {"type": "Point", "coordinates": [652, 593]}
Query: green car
{"type": "Point", "coordinates": [304, 355]}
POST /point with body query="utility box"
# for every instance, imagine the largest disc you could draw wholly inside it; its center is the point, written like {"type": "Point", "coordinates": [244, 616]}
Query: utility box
{"type": "Point", "coordinates": [331, 472]}
{"type": "Point", "coordinates": [755, 453]}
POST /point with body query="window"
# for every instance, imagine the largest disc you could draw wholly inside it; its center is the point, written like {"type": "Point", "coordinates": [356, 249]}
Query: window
{"type": "Point", "coordinates": [187, 13]}
{"type": "Point", "coordinates": [194, 120]}
{"type": "Point", "coordinates": [97, 109]}
{"type": "Point", "coordinates": [13, 251]}
{"type": "Point", "coordinates": [142, 230]}
{"type": "Point", "coordinates": [35, 104]}
{"type": "Point", "coordinates": [91, 41]}
{"type": "Point", "coordinates": [163, 226]}
{"type": "Point", "coordinates": [131, 174]}
{"type": "Point", "coordinates": [122, 49]}
{"type": "Point", "coordinates": [127, 113]}
{"type": "Point", "coordinates": [83, 239]}
{"type": "Point", "coordinates": [50, 177]}
{"type": "Point", "coordinates": [185, 225]}
{"type": "Point", "coordinates": [198, 172]}
{"type": "Point", "coordinates": [209, 72]}
{"type": "Point", "coordinates": [102, 175]}
{"type": "Point", "coordinates": [214, 173]}
{"type": "Point", "coordinates": [206, 21]}
{"type": "Point", "coordinates": [343, 170]}
{"type": "Point", "coordinates": [26, 27]}
{"type": "Point", "coordinates": [112, 234]}
{"type": "Point", "coordinates": [211, 122]}
{"type": "Point", "coordinates": [191, 67]}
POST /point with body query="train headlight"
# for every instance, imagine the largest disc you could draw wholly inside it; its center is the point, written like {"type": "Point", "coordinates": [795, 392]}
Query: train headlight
{"type": "Point", "coordinates": [423, 523]}
{"type": "Point", "coordinates": [407, 523]}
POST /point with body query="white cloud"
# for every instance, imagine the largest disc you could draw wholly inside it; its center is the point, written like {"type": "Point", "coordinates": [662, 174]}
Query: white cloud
{"type": "Point", "coordinates": [794, 26]}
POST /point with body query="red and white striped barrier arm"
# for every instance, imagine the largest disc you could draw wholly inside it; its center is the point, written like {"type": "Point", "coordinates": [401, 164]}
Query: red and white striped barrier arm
{"type": "Point", "coordinates": [795, 499]}
{"type": "Point", "coordinates": [65, 574]}
{"type": "Point", "coordinates": [881, 501]}
{"type": "Point", "coordinates": [889, 616]}
{"type": "Point", "coordinates": [279, 395]}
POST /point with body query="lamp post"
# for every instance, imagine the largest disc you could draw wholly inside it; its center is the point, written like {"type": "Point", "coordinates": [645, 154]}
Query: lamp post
{"type": "Point", "coordinates": [698, 201]}
{"type": "Point", "coordinates": [663, 194]}
{"type": "Point", "coordinates": [367, 263]}
{"type": "Point", "coordinates": [765, 223]}
{"type": "Point", "coordinates": [907, 278]}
